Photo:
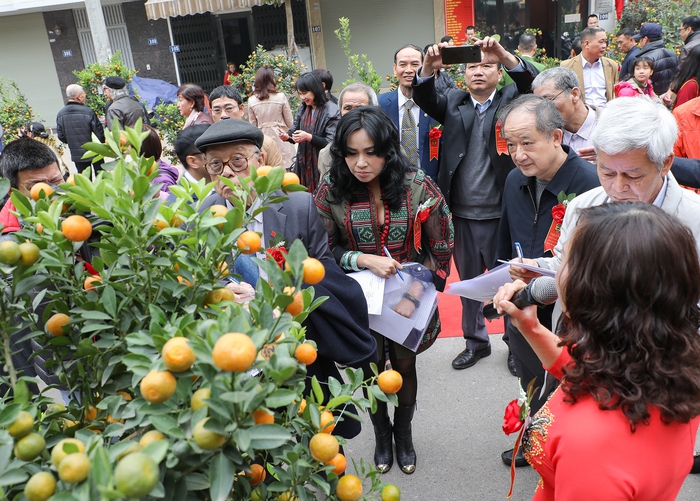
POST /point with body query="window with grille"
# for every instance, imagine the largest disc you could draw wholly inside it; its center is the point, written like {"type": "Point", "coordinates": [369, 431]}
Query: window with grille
{"type": "Point", "coordinates": [116, 31]}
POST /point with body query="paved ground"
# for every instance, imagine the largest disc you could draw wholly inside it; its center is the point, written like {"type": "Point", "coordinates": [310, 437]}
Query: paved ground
{"type": "Point", "coordinates": [457, 432]}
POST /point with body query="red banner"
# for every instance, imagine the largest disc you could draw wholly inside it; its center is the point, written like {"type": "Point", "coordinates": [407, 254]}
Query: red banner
{"type": "Point", "coordinates": [458, 15]}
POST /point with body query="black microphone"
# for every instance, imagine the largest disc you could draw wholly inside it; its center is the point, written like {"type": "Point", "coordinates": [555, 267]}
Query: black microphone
{"type": "Point", "coordinates": [541, 291]}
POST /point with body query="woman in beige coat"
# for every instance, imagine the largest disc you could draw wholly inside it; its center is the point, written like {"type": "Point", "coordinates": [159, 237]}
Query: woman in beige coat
{"type": "Point", "coordinates": [269, 110]}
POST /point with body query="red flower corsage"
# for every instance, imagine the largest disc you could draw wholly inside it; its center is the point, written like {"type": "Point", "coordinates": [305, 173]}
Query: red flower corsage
{"type": "Point", "coordinates": [558, 212]}
{"type": "Point", "coordinates": [422, 215]}
{"type": "Point", "coordinates": [435, 134]}
{"type": "Point", "coordinates": [277, 250]}
{"type": "Point", "coordinates": [515, 419]}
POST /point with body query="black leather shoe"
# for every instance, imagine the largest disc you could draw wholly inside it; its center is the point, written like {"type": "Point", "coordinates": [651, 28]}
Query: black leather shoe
{"type": "Point", "coordinates": [696, 463]}
{"type": "Point", "coordinates": [511, 364]}
{"type": "Point", "coordinates": [520, 460]}
{"type": "Point", "coordinates": [470, 357]}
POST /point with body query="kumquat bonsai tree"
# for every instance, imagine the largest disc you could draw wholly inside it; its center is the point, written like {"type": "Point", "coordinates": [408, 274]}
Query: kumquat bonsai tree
{"type": "Point", "coordinates": [175, 390]}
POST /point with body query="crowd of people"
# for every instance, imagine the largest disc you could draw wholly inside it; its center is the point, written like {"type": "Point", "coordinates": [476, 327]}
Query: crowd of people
{"type": "Point", "coordinates": [586, 169]}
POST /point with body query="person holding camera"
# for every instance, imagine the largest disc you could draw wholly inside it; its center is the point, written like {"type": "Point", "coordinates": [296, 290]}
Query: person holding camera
{"type": "Point", "coordinates": [475, 165]}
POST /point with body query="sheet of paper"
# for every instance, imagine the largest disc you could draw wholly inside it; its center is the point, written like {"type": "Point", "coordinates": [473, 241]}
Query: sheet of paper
{"type": "Point", "coordinates": [545, 272]}
{"type": "Point", "coordinates": [483, 287]}
{"type": "Point", "coordinates": [372, 288]}
{"type": "Point", "coordinates": [405, 331]}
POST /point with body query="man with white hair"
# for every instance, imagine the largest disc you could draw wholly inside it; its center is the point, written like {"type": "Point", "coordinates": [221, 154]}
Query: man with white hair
{"type": "Point", "coordinates": [634, 141]}
{"type": "Point", "coordinates": [353, 96]}
{"type": "Point", "coordinates": [76, 123]}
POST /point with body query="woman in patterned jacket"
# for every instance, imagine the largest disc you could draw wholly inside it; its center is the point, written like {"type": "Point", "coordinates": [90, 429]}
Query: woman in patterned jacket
{"type": "Point", "coordinates": [374, 204]}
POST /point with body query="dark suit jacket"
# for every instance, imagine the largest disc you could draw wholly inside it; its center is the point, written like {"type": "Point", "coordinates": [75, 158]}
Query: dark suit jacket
{"type": "Point", "coordinates": [455, 110]}
{"type": "Point", "coordinates": [340, 326]}
{"type": "Point", "coordinates": [389, 101]}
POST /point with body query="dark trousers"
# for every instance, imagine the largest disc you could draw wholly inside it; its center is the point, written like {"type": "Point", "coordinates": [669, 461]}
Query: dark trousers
{"type": "Point", "coordinates": [528, 365]}
{"type": "Point", "coordinates": [474, 252]}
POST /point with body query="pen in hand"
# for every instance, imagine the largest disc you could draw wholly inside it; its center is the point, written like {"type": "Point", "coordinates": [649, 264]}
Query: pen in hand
{"type": "Point", "coordinates": [386, 252]}
{"type": "Point", "coordinates": [519, 250]}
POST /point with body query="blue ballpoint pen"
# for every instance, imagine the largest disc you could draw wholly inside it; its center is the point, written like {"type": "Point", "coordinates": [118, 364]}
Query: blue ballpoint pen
{"type": "Point", "coordinates": [386, 251]}
{"type": "Point", "coordinates": [519, 250]}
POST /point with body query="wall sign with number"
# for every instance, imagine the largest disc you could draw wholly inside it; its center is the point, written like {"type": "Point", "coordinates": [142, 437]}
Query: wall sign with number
{"type": "Point", "coordinates": [174, 48]}
{"type": "Point", "coordinates": [152, 41]}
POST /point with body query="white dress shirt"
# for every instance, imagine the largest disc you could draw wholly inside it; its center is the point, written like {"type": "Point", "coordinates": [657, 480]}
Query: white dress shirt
{"type": "Point", "coordinates": [594, 82]}
{"type": "Point", "coordinates": [582, 137]}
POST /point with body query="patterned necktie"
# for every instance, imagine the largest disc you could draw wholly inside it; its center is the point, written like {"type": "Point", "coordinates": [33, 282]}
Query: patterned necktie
{"type": "Point", "coordinates": [409, 136]}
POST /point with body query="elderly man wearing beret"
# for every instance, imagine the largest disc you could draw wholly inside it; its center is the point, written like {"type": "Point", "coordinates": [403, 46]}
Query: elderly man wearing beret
{"type": "Point", "coordinates": [340, 326]}
{"type": "Point", "coordinates": [126, 110]}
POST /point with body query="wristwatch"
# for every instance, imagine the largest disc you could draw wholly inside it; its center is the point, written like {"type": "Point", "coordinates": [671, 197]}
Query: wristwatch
{"type": "Point", "coordinates": [415, 302]}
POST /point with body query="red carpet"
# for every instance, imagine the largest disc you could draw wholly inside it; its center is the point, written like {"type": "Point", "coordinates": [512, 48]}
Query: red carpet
{"type": "Point", "coordinates": [451, 312]}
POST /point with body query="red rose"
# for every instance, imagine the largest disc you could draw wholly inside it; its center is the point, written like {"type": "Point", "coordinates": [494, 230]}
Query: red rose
{"type": "Point", "coordinates": [511, 418]}
{"type": "Point", "coordinates": [558, 212]}
{"type": "Point", "coordinates": [435, 133]}
{"type": "Point", "coordinates": [279, 255]}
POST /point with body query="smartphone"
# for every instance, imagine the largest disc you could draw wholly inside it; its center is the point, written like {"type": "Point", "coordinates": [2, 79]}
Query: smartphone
{"type": "Point", "coordinates": [461, 54]}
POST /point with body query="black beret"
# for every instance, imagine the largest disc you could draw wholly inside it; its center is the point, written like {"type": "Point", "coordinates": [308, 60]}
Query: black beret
{"type": "Point", "coordinates": [230, 130]}
{"type": "Point", "coordinates": [115, 83]}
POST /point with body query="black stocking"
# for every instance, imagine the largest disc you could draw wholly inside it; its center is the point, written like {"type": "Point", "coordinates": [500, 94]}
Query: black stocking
{"type": "Point", "coordinates": [407, 368]}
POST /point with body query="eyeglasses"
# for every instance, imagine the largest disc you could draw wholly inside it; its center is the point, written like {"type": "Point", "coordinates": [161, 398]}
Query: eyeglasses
{"type": "Point", "coordinates": [236, 164]}
{"type": "Point", "coordinates": [228, 109]}
{"type": "Point", "coordinates": [555, 97]}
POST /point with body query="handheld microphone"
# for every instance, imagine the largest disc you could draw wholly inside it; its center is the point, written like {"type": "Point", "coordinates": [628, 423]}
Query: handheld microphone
{"type": "Point", "coordinates": [541, 291]}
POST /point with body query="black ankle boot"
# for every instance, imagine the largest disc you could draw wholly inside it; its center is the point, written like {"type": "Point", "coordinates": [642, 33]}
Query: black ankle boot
{"type": "Point", "coordinates": [383, 454]}
{"type": "Point", "coordinates": [405, 454]}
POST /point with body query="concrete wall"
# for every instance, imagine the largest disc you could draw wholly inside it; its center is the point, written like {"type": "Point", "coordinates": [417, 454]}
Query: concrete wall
{"type": "Point", "coordinates": [26, 57]}
{"type": "Point", "coordinates": [140, 29]}
{"type": "Point", "coordinates": [377, 29]}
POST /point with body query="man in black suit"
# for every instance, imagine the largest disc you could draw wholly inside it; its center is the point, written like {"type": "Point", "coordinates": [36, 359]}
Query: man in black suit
{"type": "Point", "coordinates": [474, 167]}
{"type": "Point", "coordinates": [340, 326]}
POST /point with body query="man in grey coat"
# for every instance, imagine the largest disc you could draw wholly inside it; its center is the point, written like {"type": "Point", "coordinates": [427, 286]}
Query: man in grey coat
{"type": "Point", "coordinates": [126, 110]}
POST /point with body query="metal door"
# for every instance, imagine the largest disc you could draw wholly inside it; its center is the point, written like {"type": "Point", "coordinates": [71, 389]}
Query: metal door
{"type": "Point", "coordinates": [199, 50]}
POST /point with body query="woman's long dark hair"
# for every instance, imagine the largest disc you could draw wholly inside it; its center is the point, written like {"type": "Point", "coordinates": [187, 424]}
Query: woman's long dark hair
{"type": "Point", "coordinates": [385, 136]}
{"type": "Point", "coordinates": [264, 83]}
{"type": "Point", "coordinates": [311, 82]}
{"type": "Point", "coordinates": [631, 290]}
{"type": "Point", "coordinates": [689, 69]}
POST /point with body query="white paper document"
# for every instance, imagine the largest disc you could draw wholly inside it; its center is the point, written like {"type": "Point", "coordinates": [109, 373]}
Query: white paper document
{"type": "Point", "coordinates": [545, 272]}
{"type": "Point", "coordinates": [483, 287]}
{"type": "Point", "coordinates": [405, 331]}
{"type": "Point", "coordinates": [373, 289]}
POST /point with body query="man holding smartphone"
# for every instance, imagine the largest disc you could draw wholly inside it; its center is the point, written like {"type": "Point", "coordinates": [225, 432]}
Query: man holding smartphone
{"type": "Point", "coordinates": [475, 165]}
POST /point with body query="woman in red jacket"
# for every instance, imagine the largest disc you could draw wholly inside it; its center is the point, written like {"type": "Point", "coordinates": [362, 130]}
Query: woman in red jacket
{"type": "Point", "coordinates": [622, 425]}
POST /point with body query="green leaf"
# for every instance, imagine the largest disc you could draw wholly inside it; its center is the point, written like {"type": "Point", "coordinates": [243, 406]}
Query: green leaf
{"type": "Point", "coordinates": [28, 283]}
{"type": "Point", "coordinates": [4, 187]}
{"type": "Point", "coordinates": [21, 392]}
{"type": "Point", "coordinates": [242, 438]}
{"type": "Point", "coordinates": [197, 482]}
{"type": "Point", "coordinates": [157, 450]}
{"type": "Point", "coordinates": [109, 300]}
{"type": "Point", "coordinates": [6, 453]}
{"type": "Point", "coordinates": [336, 401]}
{"type": "Point", "coordinates": [318, 392]}
{"type": "Point", "coordinates": [9, 414]}
{"type": "Point", "coordinates": [268, 436]}
{"type": "Point", "coordinates": [101, 470]}
{"type": "Point", "coordinates": [163, 423]}
{"type": "Point", "coordinates": [280, 398]}
{"type": "Point", "coordinates": [221, 475]}
{"type": "Point", "coordinates": [13, 476]}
